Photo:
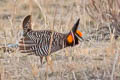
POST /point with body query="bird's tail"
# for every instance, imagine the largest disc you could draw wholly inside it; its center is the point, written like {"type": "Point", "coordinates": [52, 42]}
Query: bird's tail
{"type": "Point", "coordinates": [26, 24]}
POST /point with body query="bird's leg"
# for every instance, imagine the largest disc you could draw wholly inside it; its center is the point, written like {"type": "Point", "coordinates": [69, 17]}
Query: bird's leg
{"type": "Point", "coordinates": [46, 73]}
{"type": "Point", "coordinates": [41, 59]}
{"type": "Point", "coordinates": [49, 63]}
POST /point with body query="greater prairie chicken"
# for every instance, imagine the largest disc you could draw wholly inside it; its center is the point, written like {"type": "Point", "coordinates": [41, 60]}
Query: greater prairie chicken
{"type": "Point", "coordinates": [44, 42]}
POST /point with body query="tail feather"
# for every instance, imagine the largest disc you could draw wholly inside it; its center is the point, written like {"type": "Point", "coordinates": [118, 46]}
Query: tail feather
{"type": "Point", "coordinates": [26, 45]}
{"type": "Point", "coordinates": [26, 24]}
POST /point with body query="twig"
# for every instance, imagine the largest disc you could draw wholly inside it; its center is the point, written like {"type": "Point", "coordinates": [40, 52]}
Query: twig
{"type": "Point", "coordinates": [41, 10]}
{"type": "Point", "coordinates": [114, 65]}
{"type": "Point", "coordinates": [86, 78]}
{"type": "Point", "coordinates": [74, 75]}
{"type": "Point", "coordinates": [52, 28]}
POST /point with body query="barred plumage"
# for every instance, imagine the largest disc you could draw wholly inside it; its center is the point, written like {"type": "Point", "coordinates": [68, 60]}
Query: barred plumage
{"type": "Point", "coordinates": [38, 42]}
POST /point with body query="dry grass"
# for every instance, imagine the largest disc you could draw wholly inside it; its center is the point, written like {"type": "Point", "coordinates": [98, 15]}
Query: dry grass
{"type": "Point", "coordinates": [93, 60]}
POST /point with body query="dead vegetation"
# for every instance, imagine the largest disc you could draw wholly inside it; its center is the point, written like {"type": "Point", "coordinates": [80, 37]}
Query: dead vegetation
{"type": "Point", "coordinates": [96, 59]}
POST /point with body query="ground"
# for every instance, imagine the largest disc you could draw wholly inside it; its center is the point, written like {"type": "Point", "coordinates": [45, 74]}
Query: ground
{"type": "Point", "coordinates": [90, 60]}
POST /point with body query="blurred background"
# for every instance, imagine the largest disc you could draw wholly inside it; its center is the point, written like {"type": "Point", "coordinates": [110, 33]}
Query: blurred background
{"type": "Point", "coordinates": [90, 60]}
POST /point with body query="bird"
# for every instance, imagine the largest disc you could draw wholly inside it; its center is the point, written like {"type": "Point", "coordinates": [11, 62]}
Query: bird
{"type": "Point", "coordinates": [45, 42]}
